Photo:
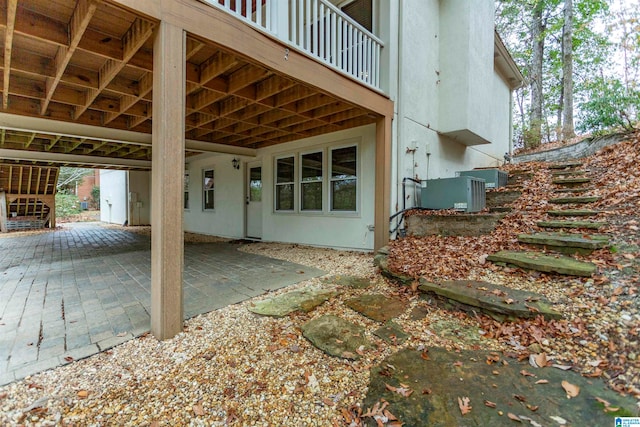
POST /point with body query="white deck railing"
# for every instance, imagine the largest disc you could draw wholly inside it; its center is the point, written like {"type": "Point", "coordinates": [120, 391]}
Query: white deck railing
{"type": "Point", "coordinates": [316, 27]}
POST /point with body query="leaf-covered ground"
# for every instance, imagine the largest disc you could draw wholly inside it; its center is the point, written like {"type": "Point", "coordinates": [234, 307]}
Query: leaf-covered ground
{"type": "Point", "coordinates": [599, 332]}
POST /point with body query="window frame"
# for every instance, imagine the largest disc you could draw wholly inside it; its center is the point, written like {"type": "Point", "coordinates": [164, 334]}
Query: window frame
{"type": "Point", "coordinates": [331, 179]}
{"type": "Point", "coordinates": [186, 205]}
{"type": "Point", "coordinates": [293, 184]}
{"type": "Point", "coordinates": [322, 181]}
{"type": "Point", "coordinates": [326, 148]}
{"type": "Point", "coordinates": [205, 190]}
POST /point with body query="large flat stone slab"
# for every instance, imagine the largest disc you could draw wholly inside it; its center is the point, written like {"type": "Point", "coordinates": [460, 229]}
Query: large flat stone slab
{"type": "Point", "coordinates": [572, 240]}
{"type": "Point", "coordinates": [573, 212]}
{"type": "Point", "coordinates": [300, 300]}
{"type": "Point", "coordinates": [567, 165]}
{"type": "Point", "coordinates": [578, 190]}
{"type": "Point", "coordinates": [591, 225]}
{"type": "Point", "coordinates": [546, 263]}
{"type": "Point", "coordinates": [570, 182]}
{"type": "Point", "coordinates": [574, 200]}
{"type": "Point", "coordinates": [377, 307]}
{"type": "Point", "coordinates": [336, 336]}
{"type": "Point", "coordinates": [426, 388]}
{"type": "Point", "coordinates": [568, 173]}
{"type": "Point", "coordinates": [498, 301]}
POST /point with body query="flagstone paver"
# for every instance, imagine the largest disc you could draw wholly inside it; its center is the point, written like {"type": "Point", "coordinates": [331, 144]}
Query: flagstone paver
{"type": "Point", "coordinates": [299, 300]}
{"type": "Point", "coordinates": [377, 307]}
{"type": "Point", "coordinates": [428, 387]}
{"type": "Point", "coordinates": [336, 336]}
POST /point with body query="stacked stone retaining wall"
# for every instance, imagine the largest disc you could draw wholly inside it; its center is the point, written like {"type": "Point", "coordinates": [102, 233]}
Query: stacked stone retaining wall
{"type": "Point", "coordinates": [584, 148]}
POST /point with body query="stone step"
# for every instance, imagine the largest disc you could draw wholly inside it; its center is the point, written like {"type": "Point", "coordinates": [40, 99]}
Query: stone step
{"type": "Point", "coordinates": [572, 224]}
{"type": "Point", "coordinates": [566, 242]}
{"type": "Point", "coordinates": [573, 190]}
{"type": "Point", "coordinates": [567, 165]}
{"type": "Point", "coordinates": [573, 212]}
{"type": "Point", "coordinates": [500, 302]}
{"type": "Point", "coordinates": [569, 173]}
{"type": "Point", "coordinates": [574, 200]}
{"type": "Point", "coordinates": [570, 182]}
{"type": "Point", "coordinates": [546, 263]}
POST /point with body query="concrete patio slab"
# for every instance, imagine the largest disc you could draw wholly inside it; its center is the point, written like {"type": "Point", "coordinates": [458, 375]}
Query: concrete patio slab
{"type": "Point", "coordinates": [84, 288]}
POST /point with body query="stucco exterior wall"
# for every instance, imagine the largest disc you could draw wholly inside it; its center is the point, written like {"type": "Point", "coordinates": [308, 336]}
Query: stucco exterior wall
{"type": "Point", "coordinates": [446, 82]}
{"type": "Point", "coordinates": [342, 230]}
{"type": "Point", "coordinates": [227, 217]}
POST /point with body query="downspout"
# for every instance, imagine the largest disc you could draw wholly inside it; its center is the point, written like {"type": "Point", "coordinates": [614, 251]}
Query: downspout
{"type": "Point", "coordinates": [398, 103]}
{"type": "Point", "coordinates": [127, 199]}
{"type": "Point", "coordinates": [511, 123]}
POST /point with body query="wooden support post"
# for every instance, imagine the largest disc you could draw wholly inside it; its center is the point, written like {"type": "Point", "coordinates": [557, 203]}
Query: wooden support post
{"type": "Point", "coordinates": [167, 175]}
{"type": "Point", "coordinates": [383, 182]}
{"type": "Point", "coordinates": [3, 212]}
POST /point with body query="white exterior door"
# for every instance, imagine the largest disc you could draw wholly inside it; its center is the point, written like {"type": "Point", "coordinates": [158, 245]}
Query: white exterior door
{"type": "Point", "coordinates": [254, 200]}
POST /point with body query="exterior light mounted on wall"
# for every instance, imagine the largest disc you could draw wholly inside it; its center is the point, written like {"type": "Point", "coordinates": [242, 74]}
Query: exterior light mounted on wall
{"type": "Point", "coordinates": [235, 163]}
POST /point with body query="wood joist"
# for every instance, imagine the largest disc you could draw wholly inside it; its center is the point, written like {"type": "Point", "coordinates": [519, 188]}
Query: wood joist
{"type": "Point", "coordinates": [91, 62]}
{"type": "Point", "coordinates": [28, 180]}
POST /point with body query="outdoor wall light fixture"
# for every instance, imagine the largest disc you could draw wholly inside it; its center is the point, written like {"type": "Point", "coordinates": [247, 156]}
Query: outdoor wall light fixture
{"type": "Point", "coordinates": [236, 163]}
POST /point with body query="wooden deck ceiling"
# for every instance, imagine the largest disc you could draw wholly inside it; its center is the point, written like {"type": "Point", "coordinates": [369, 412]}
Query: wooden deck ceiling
{"type": "Point", "coordinates": [90, 62]}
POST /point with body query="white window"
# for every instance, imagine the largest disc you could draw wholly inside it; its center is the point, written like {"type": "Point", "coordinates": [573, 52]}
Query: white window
{"type": "Point", "coordinates": [285, 181]}
{"type": "Point", "coordinates": [344, 179]}
{"type": "Point", "coordinates": [311, 181]}
{"type": "Point", "coordinates": [207, 189]}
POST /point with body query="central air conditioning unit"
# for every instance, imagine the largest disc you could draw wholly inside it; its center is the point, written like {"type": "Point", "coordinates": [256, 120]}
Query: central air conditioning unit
{"type": "Point", "coordinates": [464, 193]}
{"type": "Point", "coordinates": [493, 178]}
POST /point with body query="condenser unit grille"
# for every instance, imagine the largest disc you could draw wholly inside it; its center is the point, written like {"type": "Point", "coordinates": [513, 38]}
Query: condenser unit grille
{"type": "Point", "coordinates": [493, 178]}
{"type": "Point", "coordinates": [463, 193]}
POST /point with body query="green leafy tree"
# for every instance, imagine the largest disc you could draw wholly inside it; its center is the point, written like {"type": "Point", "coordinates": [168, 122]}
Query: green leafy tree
{"type": "Point", "coordinates": [95, 196]}
{"type": "Point", "coordinates": [609, 105]}
{"type": "Point", "coordinates": [68, 178]}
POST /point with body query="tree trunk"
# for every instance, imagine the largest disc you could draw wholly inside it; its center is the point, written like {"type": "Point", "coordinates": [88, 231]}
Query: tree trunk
{"type": "Point", "coordinates": [568, 130]}
{"type": "Point", "coordinates": [537, 41]}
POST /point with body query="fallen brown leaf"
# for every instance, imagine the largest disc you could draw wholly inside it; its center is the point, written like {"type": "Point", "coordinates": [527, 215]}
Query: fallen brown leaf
{"type": "Point", "coordinates": [464, 405]}
{"type": "Point", "coordinates": [514, 417]}
{"type": "Point", "coordinates": [542, 382]}
{"type": "Point", "coordinates": [571, 389]}
{"type": "Point", "coordinates": [525, 373]}
{"type": "Point", "coordinates": [489, 404]}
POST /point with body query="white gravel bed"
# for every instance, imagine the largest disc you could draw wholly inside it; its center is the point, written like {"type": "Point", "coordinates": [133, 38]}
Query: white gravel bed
{"type": "Point", "coordinates": [229, 367]}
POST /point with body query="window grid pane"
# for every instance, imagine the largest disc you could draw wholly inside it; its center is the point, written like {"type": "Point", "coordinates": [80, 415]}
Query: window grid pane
{"type": "Point", "coordinates": [285, 183]}
{"type": "Point", "coordinates": [311, 185]}
{"type": "Point", "coordinates": [344, 179]}
{"type": "Point", "coordinates": [208, 189]}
